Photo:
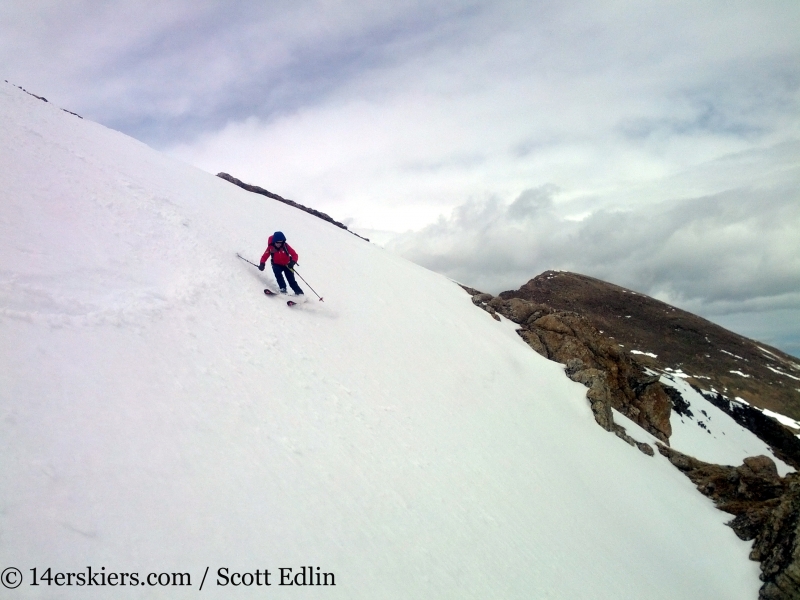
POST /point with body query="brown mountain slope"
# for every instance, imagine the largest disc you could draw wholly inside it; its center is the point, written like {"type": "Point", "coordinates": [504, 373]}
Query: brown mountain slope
{"type": "Point", "coordinates": [716, 359]}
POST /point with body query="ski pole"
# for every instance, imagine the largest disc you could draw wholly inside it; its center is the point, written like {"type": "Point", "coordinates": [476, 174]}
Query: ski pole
{"type": "Point", "coordinates": [247, 261]}
{"type": "Point", "coordinates": [309, 285]}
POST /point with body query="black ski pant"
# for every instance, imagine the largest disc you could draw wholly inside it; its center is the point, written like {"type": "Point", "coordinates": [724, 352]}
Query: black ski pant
{"type": "Point", "coordinates": [280, 271]}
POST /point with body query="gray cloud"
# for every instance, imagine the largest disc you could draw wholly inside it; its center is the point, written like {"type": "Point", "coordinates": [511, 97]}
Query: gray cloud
{"type": "Point", "coordinates": [728, 247]}
{"type": "Point", "coordinates": [164, 71]}
{"type": "Point", "coordinates": [722, 256]}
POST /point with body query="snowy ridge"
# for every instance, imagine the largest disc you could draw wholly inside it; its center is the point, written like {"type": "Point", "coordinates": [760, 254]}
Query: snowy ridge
{"type": "Point", "coordinates": [159, 413]}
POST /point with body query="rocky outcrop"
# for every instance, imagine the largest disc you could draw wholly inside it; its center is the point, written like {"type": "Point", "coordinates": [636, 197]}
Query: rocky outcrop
{"type": "Point", "coordinates": [42, 98]}
{"type": "Point", "coordinates": [765, 506]}
{"type": "Point", "coordinates": [613, 379]}
{"type": "Point", "coordinates": [667, 337]}
{"type": "Point", "coordinates": [766, 509]}
{"type": "Point", "coordinates": [259, 190]}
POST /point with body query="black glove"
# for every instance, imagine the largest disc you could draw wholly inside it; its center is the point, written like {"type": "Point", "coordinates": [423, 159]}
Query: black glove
{"type": "Point", "coordinates": [291, 264]}
{"type": "Point", "coordinates": [261, 266]}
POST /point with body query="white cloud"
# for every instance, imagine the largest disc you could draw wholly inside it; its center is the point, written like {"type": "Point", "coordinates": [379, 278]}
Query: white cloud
{"type": "Point", "coordinates": [598, 108]}
{"type": "Point", "coordinates": [724, 256]}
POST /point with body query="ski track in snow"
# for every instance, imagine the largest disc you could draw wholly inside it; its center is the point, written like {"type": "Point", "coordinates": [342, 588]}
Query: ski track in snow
{"type": "Point", "coordinates": [159, 413]}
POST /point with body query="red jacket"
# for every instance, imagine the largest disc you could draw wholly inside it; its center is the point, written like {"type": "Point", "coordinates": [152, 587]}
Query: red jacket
{"type": "Point", "coordinates": [280, 256]}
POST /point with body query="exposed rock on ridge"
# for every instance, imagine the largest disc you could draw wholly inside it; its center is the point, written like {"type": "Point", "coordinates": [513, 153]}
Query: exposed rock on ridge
{"type": "Point", "coordinates": [666, 337]}
{"type": "Point", "coordinates": [259, 190]}
{"type": "Point", "coordinates": [766, 509]}
{"type": "Point", "coordinates": [718, 363]}
{"type": "Point", "coordinates": [613, 379]}
{"type": "Point", "coordinates": [42, 98]}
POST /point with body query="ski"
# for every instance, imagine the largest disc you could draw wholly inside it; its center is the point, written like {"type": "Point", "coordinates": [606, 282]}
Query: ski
{"type": "Point", "coordinates": [269, 292]}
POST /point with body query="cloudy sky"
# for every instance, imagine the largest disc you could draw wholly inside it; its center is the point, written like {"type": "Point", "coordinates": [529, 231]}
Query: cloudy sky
{"type": "Point", "coordinates": [652, 144]}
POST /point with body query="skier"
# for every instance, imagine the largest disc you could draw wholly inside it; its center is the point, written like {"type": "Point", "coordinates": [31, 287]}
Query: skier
{"type": "Point", "coordinates": [284, 258]}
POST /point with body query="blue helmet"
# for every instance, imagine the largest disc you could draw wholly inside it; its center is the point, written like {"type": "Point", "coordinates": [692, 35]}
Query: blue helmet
{"type": "Point", "coordinates": [278, 237]}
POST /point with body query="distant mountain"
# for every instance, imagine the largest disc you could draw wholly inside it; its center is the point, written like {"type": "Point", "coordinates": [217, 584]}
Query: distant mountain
{"type": "Point", "coordinates": [669, 339]}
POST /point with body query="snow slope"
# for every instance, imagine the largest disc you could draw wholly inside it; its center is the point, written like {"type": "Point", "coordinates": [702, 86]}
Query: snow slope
{"type": "Point", "coordinates": [158, 413]}
{"type": "Point", "coordinates": [712, 435]}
